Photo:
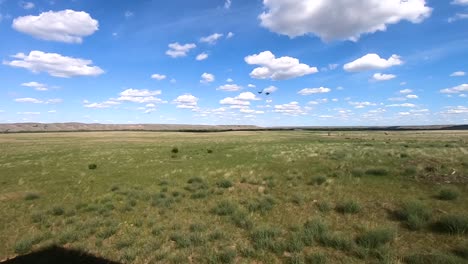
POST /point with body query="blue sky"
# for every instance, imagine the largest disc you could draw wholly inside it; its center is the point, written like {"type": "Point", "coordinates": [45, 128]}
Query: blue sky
{"type": "Point", "coordinates": [366, 62]}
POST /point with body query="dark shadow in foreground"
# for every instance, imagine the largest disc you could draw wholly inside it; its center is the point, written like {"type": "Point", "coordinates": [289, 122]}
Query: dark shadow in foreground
{"type": "Point", "coordinates": [56, 255]}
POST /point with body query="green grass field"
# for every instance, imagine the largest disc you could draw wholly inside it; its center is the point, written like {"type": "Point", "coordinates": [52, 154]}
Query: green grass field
{"type": "Point", "coordinates": [238, 197]}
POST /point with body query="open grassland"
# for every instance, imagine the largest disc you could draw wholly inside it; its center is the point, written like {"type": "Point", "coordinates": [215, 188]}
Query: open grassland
{"type": "Point", "coordinates": [238, 197]}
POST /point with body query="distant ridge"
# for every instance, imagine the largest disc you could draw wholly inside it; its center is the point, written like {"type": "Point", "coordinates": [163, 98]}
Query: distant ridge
{"type": "Point", "coordinates": [77, 127]}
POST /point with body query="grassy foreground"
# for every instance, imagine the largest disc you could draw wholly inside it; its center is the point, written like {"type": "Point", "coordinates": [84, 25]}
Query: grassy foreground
{"type": "Point", "coordinates": [238, 197]}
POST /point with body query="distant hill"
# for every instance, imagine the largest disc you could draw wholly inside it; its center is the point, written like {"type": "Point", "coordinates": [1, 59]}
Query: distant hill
{"type": "Point", "coordinates": [76, 127]}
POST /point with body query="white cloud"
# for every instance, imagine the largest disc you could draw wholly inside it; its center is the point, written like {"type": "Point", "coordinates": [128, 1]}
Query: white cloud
{"type": "Point", "coordinates": [233, 101]}
{"type": "Point", "coordinates": [27, 5]}
{"type": "Point", "coordinates": [64, 26]}
{"type": "Point", "coordinates": [458, 16]}
{"type": "Point", "coordinates": [54, 64]}
{"type": "Point", "coordinates": [292, 108]}
{"type": "Point", "coordinates": [186, 101]}
{"type": "Point", "coordinates": [318, 101]}
{"type": "Point", "coordinates": [406, 91]}
{"type": "Point", "coordinates": [277, 68]}
{"type": "Point", "coordinates": [128, 14]}
{"type": "Point", "coordinates": [247, 96]}
{"type": "Point", "coordinates": [456, 110]}
{"type": "Point", "coordinates": [52, 111]}
{"type": "Point", "coordinates": [139, 93]}
{"type": "Point", "coordinates": [202, 56]}
{"type": "Point", "coordinates": [150, 110]}
{"type": "Point", "coordinates": [211, 39]}
{"type": "Point", "coordinates": [37, 86]}
{"type": "Point", "coordinates": [227, 4]}
{"type": "Point", "coordinates": [402, 105]}
{"type": "Point", "coordinates": [339, 19]}
{"type": "Point", "coordinates": [176, 50]}
{"type": "Point", "coordinates": [240, 101]}
{"type": "Point", "coordinates": [105, 104]}
{"type": "Point", "coordinates": [412, 96]}
{"type": "Point", "coordinates": [270, 89]}
{"type": "Point", "coordinates": [140, 96]}
{"type": "Point", "coordinates": [251, 85]}
{"type": "Point", "coordinates": [309, 91]}
{"type": "Point", "coordinates": [458, 74]}
{"type": "Point", "coordinates": [229, 88]}
{"type": "Point", "coordinates": [38, 101]}
{"type": "Point", "coordinates": [372, 61]}
{"type": "Point", "coordinates": [459, 2]}
{"type": "Point", "coordinates": [229, 80]}
{"type": "Point", "coordinates": [28, 113]}
{"type": "Point", "coordinates": [359, 105]}
{"type": "Point", "coordinates": [383, 77]}
{"type": "Point", "coordinates": [207, 78]}
{"type": "Point", "coordinates": [229, 35]}
{"type": "Point", "coordinates": [158, 76]}
{"type": "Point", "coordinates": [457, 89]}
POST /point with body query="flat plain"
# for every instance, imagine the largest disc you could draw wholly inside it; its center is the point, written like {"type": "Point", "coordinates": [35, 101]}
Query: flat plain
{"type": "Point", "coordinates": [238, 197]}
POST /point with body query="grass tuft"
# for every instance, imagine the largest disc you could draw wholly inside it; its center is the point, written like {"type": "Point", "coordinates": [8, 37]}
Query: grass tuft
{"type": "Point", "coordinates": [92, 166]}
{"type": "Point", "coordinates": [375, 238]}
{"type": "Point", "coordinates": [448, 194]}
{"type": "Point", "coordinates": [31, 196]}
{"type": "Point", "coordinates": [316, 258]}
{"type": "Point", "coordinates": [415, 214]}
{"type": "Point", "coordinates": [324, 206]}
{"type": "Point", "coordinates": [57, 211]}
{"type": "Point", "coordinates": [262, 205]}
{"type": "Point", "coordinates": [452, 224]}
{"type": "Point", "coordinates": [23, 246]}
{"type": "Point", "coordinates": [348, 207]}
{"type": "Point", "coordinates": [224, 184]}
{"type": "Point", "coordinates": [317, 180]}
{"type": "Point", "coordinates": [224, 208]}
{"type": "Point", "coordinates": [436, 258]}
{"type": "Point", "coordinates": [377, 172]}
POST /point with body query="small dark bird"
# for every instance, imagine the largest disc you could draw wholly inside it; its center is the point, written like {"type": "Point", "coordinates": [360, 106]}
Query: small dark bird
{"type": "Point", "coordinates": [267, 93]}
{"type": "Point", "coordinates": [260, 92]}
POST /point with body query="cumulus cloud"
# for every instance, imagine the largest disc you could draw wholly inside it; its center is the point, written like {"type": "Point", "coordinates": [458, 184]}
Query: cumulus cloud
{"type": "Point", "coordinates": [292, 108]}
{"type": "Point", "coordinates": [406, 91]}
{"type": "Point", "coordinates": [105, 104]}
{"type": "Point", "coordinates": [459, 2]}
{"type": "Point", "coordinates": [339, 19]}
{"type": "Point", "coordinates": [27, 5]}
{"type": "Point", "coordinates": [458, 74]}
{"type": "Point", "coordinates": [158, 76]}
{"type": "Point", "coordinates": [54, 64]}
{"type": "Point", "coordinates": [38, 101]}
{"type": "Point", "coordinates": [383, 77]}
{"type": "Point", "coordinates": [211, 39]}
{"type": "Point", "coordinates": [412, 96]}
{"type": "Point", "coordinates": [143, 96]}
{"type": "Point", "coordinates": [37, 86]}
{"type": "Point", "coordinates": [227, 4]}
{"type": "Point", "coordinates": [202, 56]}
{"type": "Point", "coordinates": [455, 110]}
{"type": "Point", "coordinates": [309, 91]}
{"type": "Point", "coordinates": [458, 16]}
{"type": "Point", "coordinates": [402, 105]}
{"type": "Point", "coordinates": [372, 61]}
{"type": "Point", "coordinates": [64, 26]}
{"type": "Point", "coordinates": [177, 50]}
{"type": "Point", "coordinates": [229, 35]}
{"type": "Point", "coordinates": [240, 101]}
{"type": "Point", "coordinates": [457, 89]}
{"type": "Point", "coordinates": [229, 88]}
{"type": "Point", "coordinates": [270, 89]}
{"type": "Point", "coordinates": [186, 101]}
{"type": "Point", "coordinates": [207, 78]}
{"type": "Point", "coordinates": [359, 105]}
{"type": "Point", "coordinates": [251, 85]}
{"type": "Point", "coordinates": [277, 68]}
